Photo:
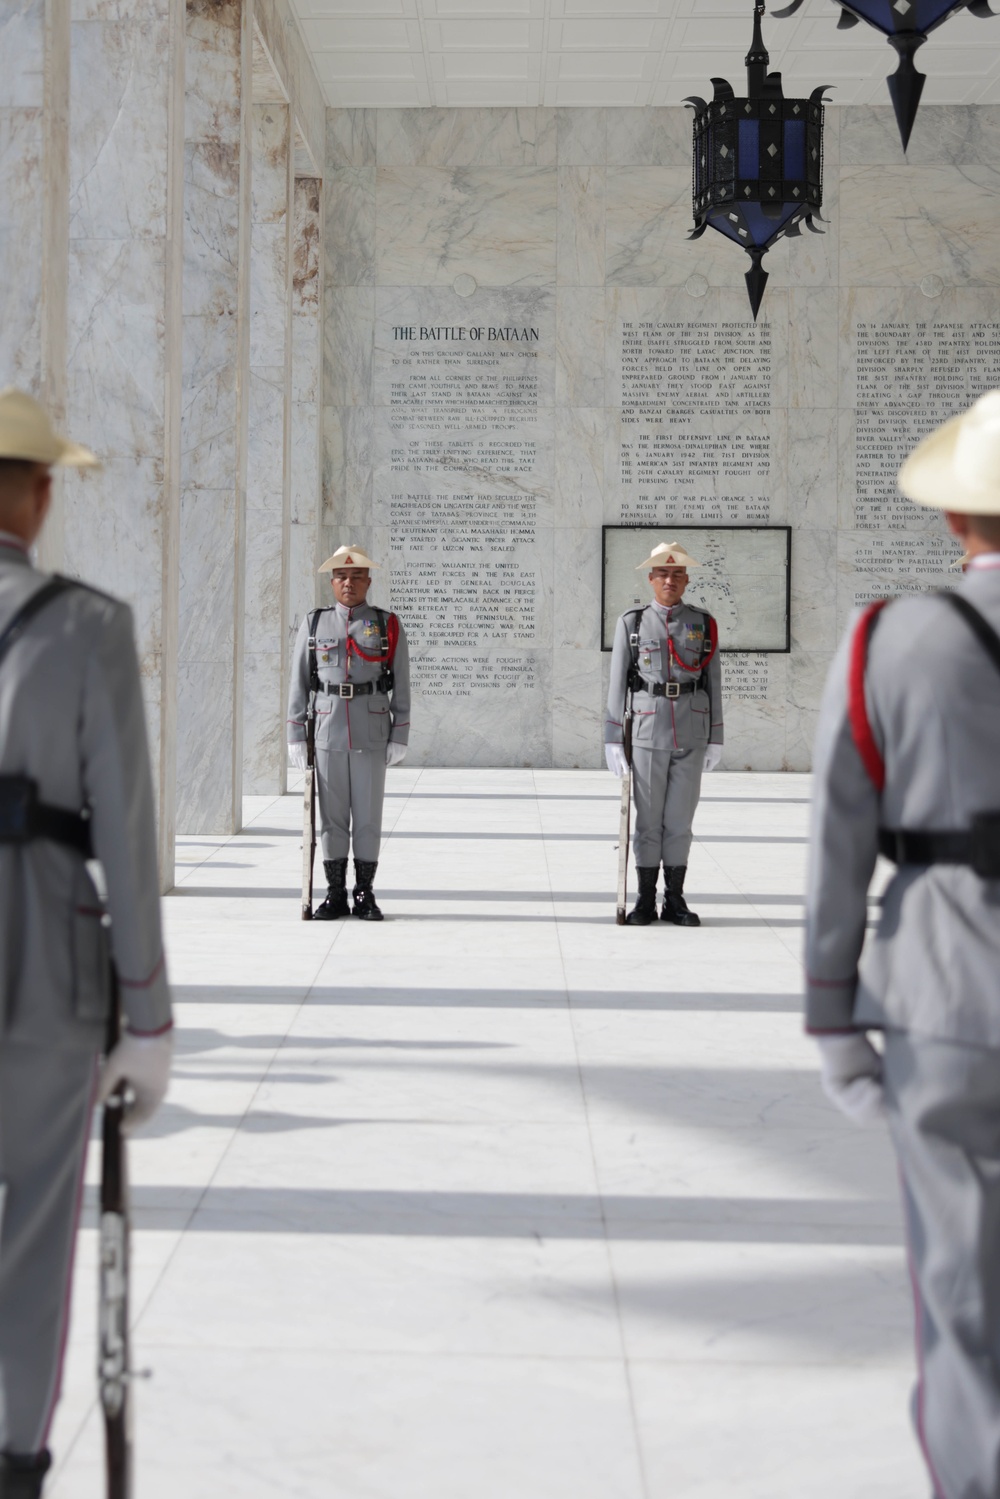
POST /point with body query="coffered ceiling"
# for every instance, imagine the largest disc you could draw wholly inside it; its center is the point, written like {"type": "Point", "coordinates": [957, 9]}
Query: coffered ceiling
{"type": "Point", "coordinates": [407, 53]}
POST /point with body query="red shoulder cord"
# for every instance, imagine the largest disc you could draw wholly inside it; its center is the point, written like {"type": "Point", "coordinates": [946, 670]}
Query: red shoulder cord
{"type": "Point", "coordinates": [713, 646]}
{"type": "Point", "coordinates": [392, 632]}
{"type": "Point", "coordinates": [857, 707]}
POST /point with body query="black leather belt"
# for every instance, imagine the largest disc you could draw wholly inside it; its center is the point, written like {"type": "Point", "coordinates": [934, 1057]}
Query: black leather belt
{"type": "Point", "coordinates": [667, 689]}
{"type": "Point", "coordinates": [24, 818]}
{"type": "Point", "coordinates": [352, 689]}
{"type": "Point", "coordinates": [977, 847]}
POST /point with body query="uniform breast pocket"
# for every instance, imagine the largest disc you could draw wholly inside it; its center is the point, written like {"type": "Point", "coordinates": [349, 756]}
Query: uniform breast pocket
{"type": "Point", "coordinates": [328, 653]}
{"type": "Point", "coordinates": [650, 658]}
{"type": "Point", "coordinates": [379, 721]}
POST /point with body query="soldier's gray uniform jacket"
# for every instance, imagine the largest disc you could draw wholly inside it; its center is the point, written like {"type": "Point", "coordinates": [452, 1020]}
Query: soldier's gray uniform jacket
{"type": "Point", "coordinates": [931, 978]}
{"type": "Point", "coordinates": [669, 735]}
{"type": "Point", "coordinates": [934, 706]}
{"type": "Point", "coordinates": [71, 717]}
{"type": "Point", "coordinates": [351, 733]}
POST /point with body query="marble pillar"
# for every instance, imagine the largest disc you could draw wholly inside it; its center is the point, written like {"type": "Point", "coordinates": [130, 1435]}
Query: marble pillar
{"type": "Point", "coordinates": [124, 335]}
{"type": "Point", "coordinates": [304, 587]}
{"type": "Point", "coordinates": [215, 411]}
{"type": "Point", "coordinates": [34, 236]}
{"type": "Point", "coordinates": [268, 488]}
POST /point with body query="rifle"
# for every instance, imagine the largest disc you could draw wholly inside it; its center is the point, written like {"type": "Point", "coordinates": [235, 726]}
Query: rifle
{"type": "Point", "coordinates": [309, 811]}
{"type": "Point", "coordinates": [113, 1365]}
{"type": "Point", "coordinates": [309, 788]}
{"type": "Point", "coordinates": [625, 825]}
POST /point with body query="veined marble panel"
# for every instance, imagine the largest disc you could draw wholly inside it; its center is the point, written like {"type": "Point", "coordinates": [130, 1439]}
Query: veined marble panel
{"type": "Point", "coordinates": [916, 221]}
{"type": "Point", "coordinates": [119, 127]}
{"type": "Point", "coordinates": [582, 137]}
{"type": "Point", "coordinates": [812, 466]}
{"type": "Point", "coordinates": [578, 698]}
{"type": "Point", "coordinates": [349, 226]}
{"type": "Point", "coordinates": [281, 36]}
{"type": "Point", "coordinates": [580, 315]}
{"type": "Point", "coordinates": [466, 137]}
{"type": "Point", "coordinates": [215, 375]}
{"type": "Point", "coordinates": [814, 583]}
{"type": "Point", "coordinates": [348, 467]}
{"type": "Point", "coordinates": [350, 138]}
{"type": "Point", "coordinates": [21, 291]}
{"type": "Point", "coordinates": [650, 138]}
{"type": "Point", "coordinates": [212, 72]}
{"type": "Point", "coordinates": [348, 345]}
{"type": "Point", "coordinates": [813, 349]}
{"type": "Point", "coordinates": [579, 466]}
{"type": "Point", "coordinates": [953, 135]}
{"type": "Point", "coordinates": [268, 470]}
{"type": "Point", "coordinates": [209, 589]}
{"type": "Point", "coordinates": [22, 42]}
{"type": "Point", "coordinates": [582, 226]}
{"type": "Point", "coordinates": [755, 697]}
{"type": "Point", "coordinates": [498, 226]}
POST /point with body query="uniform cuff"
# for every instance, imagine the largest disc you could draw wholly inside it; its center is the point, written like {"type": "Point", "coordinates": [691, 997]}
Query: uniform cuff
{"type": "Point", "coordinates": [830, 1004]}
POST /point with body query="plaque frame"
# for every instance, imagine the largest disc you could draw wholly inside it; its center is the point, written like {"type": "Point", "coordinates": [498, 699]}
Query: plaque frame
{"type": "Point", "coordinates": [659, 530]}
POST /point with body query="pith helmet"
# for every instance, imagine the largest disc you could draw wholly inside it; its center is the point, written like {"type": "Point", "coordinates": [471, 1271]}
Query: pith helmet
{"type": "Point", "coordinates": [668, 554]}
{"type": "Point", "coordinates": [27, 434]}
{"type": "Point", "coordinates": [347, 556]}
{"type": "Point", "coordinates": [958, 466]}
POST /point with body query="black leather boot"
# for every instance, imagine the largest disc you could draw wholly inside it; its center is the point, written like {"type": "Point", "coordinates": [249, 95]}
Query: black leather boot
{"type": "Point", "coordinates": [336, 891]}
{"type": "Point", "coordinates": [21, 1477]}
{"type": "Point", "coordinates": [364, 898]}
{"type": "Point", "coordinates": [645, 906]}
{"type": "Point", "coordinates": [675, 907]}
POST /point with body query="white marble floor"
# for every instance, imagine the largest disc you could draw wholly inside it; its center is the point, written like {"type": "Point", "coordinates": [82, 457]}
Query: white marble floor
{"type": "Point", "coordinates": [497, 1200]}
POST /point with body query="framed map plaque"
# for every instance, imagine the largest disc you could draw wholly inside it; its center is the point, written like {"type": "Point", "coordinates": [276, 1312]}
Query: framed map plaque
{"type": "Point", "coordinates": [744, 580]}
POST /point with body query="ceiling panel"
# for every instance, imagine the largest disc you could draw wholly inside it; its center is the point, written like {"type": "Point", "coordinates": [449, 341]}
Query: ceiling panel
{"type": "Point", "coordinates": [405, 53]}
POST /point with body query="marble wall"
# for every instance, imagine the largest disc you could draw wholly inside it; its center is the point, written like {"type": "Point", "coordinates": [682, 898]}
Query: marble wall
{"type": "Point", "coordinates": [216, 374]}
{"type": "Point", "coordinates": [268, 484]}
{"type": "Point", "coordinates": [156, 159]}
{"type": "Point", "coordinates": [586, 211]}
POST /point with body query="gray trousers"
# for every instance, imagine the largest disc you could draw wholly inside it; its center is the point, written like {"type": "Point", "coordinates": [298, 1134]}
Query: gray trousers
{"type": "Point", "coordinates": [46, 1100]}
{"type": "Point", "coordinates": [350, 792]}
{"type": "Point", "coordinates": [944, 1112]}
{"type": "Point", "coordinates": [666, 785]}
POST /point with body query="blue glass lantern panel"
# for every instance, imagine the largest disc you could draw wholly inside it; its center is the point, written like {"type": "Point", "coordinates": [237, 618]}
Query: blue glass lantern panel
{"type": "Point", "coordinates": [921, 15]}
{"type": "Point", "coordinates": [795, 150]}
{"type": "Point", "coordinates": [749, 150]}
{"type": "Point", "coordinates": [762, 227]}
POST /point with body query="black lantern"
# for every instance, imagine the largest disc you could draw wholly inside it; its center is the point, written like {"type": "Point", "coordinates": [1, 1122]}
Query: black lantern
{"type": "Point", "coordinates": [758, 162]}
{"type": "Point", "coordinates": [904, 24]}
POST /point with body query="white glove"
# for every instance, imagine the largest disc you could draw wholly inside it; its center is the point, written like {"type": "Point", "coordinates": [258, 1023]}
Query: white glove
{"type": "Point", "coordinates": [713, 754]}
{"type": "Point", "coordinates": [394, 753]}
{"type": "Point", "coordinates": [615, 756]}
{"type": "Point", "coordinates": [143, 1064]}
{"type": "Point", "coordinates": [297, 755]}
{"type": "Point", "coordinates": [851, 1075]}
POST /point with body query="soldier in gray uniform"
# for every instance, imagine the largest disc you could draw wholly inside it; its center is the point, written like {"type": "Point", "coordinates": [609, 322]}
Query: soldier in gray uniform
{"type": "Point", "coordinates": [358, 667]}
{"type": "Point", "coordinates": [72, 742]}
{"type": "Point", "coordinates": [670, 651]}
{"type": "Point", "coordinates": [906, 763]}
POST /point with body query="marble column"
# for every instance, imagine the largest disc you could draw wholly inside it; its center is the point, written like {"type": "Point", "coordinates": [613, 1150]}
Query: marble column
{"type": "Point", "coordinates": [268, 492]}
{"type": "Point", "coordinates": [304, 588]}
{"type": "Point", "coordinates": [124, 335]}
{"type": "Point", "coordinates": [34, 236]}
{"type": "Point", "coordinates": [214, 420]}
